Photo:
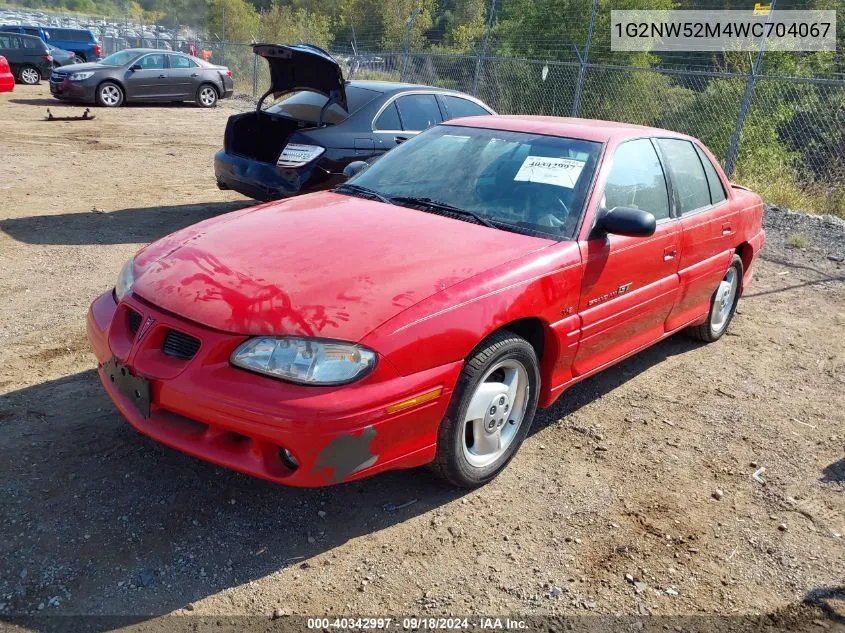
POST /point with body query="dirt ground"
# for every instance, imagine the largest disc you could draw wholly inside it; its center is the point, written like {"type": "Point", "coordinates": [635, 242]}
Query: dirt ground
{"type": "Point", "coordinates": [633, 495]}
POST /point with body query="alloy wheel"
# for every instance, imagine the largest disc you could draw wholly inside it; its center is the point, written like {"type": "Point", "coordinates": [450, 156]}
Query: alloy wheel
{"type": "Point", "coordinates": [30, 76]}
{"type": "Point", "coordinates": [495, 412]}
{"type": "Point", "coordinates": [725, 299]}
{"type": "Point", "coordinates": [110, 95]}
{"type": "Point", "coordinates": [207, 96]}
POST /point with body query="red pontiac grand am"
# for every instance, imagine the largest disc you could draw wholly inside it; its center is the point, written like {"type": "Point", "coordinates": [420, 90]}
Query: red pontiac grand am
{"type": "Point", "coordinates": [423, 311]}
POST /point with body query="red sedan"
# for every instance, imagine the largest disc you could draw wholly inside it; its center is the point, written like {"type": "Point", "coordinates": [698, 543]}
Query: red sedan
{"type": "Point", "coordinates": [422, 312]}
{"type": "Point", "coordinates": [7, 79]}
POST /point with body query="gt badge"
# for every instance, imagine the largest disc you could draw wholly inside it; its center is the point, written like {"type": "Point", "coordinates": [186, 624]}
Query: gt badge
{"type": "Point", "coordinates": [621, 290]}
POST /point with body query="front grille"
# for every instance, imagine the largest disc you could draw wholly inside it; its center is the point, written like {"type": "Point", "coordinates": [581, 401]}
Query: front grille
{"type": "Point", "coordinates": [134, 320]}
{"type": "Point", "coordinates": [180, 345]}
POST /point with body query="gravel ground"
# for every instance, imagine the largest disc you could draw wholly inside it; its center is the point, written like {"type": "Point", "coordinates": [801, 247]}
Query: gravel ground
{"type": "Point", "coordinates": [633, 495]}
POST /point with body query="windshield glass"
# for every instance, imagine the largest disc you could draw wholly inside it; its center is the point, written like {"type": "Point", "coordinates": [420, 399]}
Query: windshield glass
{"type": "Point", "coordinates": [119, 59]}
{"type": "Point", "coordinates": [305, 105]}
{"type": "Point", "coordinates": [518, 181]}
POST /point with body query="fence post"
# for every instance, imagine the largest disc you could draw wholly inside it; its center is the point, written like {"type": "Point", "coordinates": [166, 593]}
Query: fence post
{"type": "Point", "coordinates": [480, 58]}
{"type": "Point", "coordinates": [733, 148]}
{"type": "Point", "coordinates": [254, 76]}
{"type": "Point", "coordinates": [408, 27]}
{"type": "Point", "coordinates": [583, 59]}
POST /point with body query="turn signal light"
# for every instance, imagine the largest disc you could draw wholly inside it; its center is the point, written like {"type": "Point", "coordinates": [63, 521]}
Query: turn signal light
{"type": "Point", "coordinates": [412, 402]}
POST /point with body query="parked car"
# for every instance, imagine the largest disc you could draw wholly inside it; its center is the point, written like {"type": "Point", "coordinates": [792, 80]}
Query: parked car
{"type": "Point", "coordinates": [422, 311]}
{"type": "Point", "coordinates": [303, 143]}
{"type": "Point", "coordinates": [81, 42]}
{"type": "Point", "coordinates": [7, 79]}
{"type": "Point", "coordinates": [27, 56]}
{"type": "Point", "coordinates": [61, 57]}
{"type": "Point", "coordinates": [141, 74]}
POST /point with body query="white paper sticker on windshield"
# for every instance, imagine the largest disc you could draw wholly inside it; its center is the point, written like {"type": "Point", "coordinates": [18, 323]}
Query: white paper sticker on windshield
{"type": "Point", "coordinates": [562, 172]}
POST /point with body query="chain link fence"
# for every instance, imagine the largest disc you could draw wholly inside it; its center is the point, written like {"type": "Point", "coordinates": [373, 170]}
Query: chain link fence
{"type": "Point", "coordinates": [781, 133]}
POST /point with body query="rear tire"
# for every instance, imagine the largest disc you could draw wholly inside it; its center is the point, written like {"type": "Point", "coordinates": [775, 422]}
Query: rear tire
{"type": "Point", "coordinates": [78, 60]}
{"type": "Point", "coordinates": [722, 305]}
{"type": "Point", "coordinates": [206, 96]}
{"type": "Point", "coordinates": [490, 413]}
{"type": "Point", "coordinates": [29, 75]}
{"type": "Point", "coordinates": [109, 95]}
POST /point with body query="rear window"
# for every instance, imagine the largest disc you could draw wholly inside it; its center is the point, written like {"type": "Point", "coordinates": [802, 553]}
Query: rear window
{"type": "Point", "coordinates": [305, 105]}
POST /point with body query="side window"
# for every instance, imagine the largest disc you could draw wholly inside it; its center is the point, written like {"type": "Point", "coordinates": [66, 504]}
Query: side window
{"type": "Point", "coordinates": [690, 181]}
{"type": "Point", "coordinates": [389, 119]}
{"type": "Point", "coordinates": [459, 107]}
{"type": "Point", "coordinates": [151, 62]}
{"type": "Point", "coordinates": [717, 189]}
{"type": "Point", "coordinates": [30, 43]}
{"type": "Point", "coordinates": [180, 61]}
{"type": "Point", "coordinates": [637, 180]}
{"type": "Point", "coordinates": [15, 42]}
{"type": "Point", "coordinates": [5, 41]}
{"type": "Point", "coordinates": [30, 31]}
{"type": "Point", "coordinates": [418, 112]}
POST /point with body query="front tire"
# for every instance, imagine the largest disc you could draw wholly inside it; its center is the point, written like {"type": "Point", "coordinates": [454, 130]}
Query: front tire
{"type": "Point", "coordinates": [206, 96]}
{"type": "Point", "coordinates": [491, 411]}
{"type": "Point", "coordinates": [722, 305]}
{"type": "Point", "coordinates": [29, 75]}
{"type": "Point", "coordinates": [109, 95]}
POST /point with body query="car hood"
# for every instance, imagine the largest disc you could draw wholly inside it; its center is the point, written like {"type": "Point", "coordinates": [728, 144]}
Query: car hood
{"type": "Point", "coordinates": [324, 265]}
{"type": "Point", "coordinates": [76, 68]}
{"type": "Point", "coordinates": [303, 67]}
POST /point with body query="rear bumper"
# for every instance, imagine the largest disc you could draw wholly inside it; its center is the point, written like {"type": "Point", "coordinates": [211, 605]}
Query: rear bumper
{"type": "Point", "coordinates": [252, 178]}
{"type": "Point", "coordinates": [206, 408]}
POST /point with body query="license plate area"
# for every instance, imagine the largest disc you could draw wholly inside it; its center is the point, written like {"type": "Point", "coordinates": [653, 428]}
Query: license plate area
{"type": "Point", "coordinates": [135, 388]}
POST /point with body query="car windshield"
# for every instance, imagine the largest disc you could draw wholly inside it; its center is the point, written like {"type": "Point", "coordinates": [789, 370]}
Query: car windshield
{"type": "Point", "coordinates": [119, 59]}
{"type": "Point", "coordinates": [527, 183]}
{"type": "Point", "coordinates": [305, 105]}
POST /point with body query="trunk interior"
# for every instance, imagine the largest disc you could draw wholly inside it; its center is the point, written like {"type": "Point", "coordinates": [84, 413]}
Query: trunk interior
{"type": "Point", "coordinates": [260, 135]}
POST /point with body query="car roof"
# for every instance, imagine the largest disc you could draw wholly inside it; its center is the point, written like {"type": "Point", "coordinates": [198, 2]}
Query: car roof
{"type": "Point", "coordinates": [389, 87]}
{"type": "Point", "coordinates": [587, 129]}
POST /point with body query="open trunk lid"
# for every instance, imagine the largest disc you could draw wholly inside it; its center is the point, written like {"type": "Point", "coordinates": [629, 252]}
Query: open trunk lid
{"type": "Point", "coordinates": [303, 67]}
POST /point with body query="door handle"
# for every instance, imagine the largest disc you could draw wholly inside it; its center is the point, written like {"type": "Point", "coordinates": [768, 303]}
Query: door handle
{"type": "Point", "coordinates": [669, 253]}
{"type": "Point", "coordinates": [194, 75]}
{"type": "Point", "coordinates": [162, 76]}
{"type": "Point", "coordinates": [400, 139]}
{"type": "Point", "coordinates": [726, 229]}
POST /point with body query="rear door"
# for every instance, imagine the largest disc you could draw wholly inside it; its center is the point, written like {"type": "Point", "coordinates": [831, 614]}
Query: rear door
{"type": "Point", "coordinates": [184, 76]}
{"type": "Point", "coordinates": [149, 82]}
{"type": "Point", "coordinates": [629, 284]}
{"type": "Point", "coordinates": [707, 227]}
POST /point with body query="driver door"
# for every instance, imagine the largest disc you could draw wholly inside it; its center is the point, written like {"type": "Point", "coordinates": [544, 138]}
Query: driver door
{"type": "Point", "coordinates": [629, 284]}
{"type": "Point", "coordinates": [150, 80]}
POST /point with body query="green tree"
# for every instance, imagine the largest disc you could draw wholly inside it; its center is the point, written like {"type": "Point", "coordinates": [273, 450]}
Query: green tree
{"type": "Point", "coordinates": [232, 20]}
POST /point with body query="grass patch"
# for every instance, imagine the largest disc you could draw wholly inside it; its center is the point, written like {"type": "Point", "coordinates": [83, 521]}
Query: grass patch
{"type": "Point", "coordinates": [798, 240]}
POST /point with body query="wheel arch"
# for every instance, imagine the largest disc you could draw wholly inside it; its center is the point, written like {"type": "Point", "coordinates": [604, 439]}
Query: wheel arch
{"type": "Point", "coordinates": [117, 82]}
{"type": "Point", "coordinates": [209, 83]}
{"type": "Point", "coordinates": [746, 254]}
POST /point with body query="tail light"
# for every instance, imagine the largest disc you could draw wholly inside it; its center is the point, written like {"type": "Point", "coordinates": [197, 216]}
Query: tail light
{"type": "Point", "coordinates": [228, 73]}
{"type": "Point", "coordinates": [296, 155]}
{"type": "Point", "coordinates": [47, 57]}
{"type": "Point", "coordinates": [98, 50]}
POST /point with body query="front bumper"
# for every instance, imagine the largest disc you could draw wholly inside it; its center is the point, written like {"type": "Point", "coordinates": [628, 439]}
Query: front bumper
{"type": "Point", "coordinates": [72, 90]}
{"type": "Point", "coordinates": [240, 420]}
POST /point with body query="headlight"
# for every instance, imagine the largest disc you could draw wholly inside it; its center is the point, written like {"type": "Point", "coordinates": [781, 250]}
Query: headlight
{"type": "Point", "coordinates": [125, 279]}
{"type": "Point", "coordinates": [304, 360]}
{"type": "Point", "coordinates": [80, 76]}
{"type": "Point", "coordinates": [295, 155]}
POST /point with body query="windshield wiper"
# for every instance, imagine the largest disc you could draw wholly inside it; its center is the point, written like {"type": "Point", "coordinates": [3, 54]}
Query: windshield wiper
{"type": "Point", "coordinates": [443, 206]}
{"type": "Point", "coordinates": [363, 191]}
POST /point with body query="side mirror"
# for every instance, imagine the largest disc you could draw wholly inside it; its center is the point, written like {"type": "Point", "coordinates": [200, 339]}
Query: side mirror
{"type": "Point", "coordinates": [355, 167]}
{"type": "Point", "coordinates": [134, 67]}
{"type": "Point", "coordinates": [627, 221]}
